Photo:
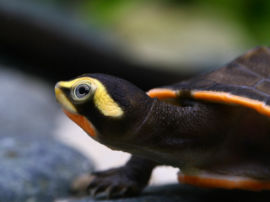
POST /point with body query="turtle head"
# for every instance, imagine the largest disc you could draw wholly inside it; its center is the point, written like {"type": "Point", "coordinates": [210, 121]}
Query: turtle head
{"type": "Point", "coordinates": [108, 108]}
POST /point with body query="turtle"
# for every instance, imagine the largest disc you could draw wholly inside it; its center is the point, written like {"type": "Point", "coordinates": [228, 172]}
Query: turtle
{"type": "Point", "coordinates": [214, 127]}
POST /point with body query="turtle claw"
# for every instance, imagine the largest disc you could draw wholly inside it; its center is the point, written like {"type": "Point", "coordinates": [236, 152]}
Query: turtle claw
{"type": "Point", "coordinates": [113, 183]}
{"type": "Point", "coordinates": [123, 190]}
{"type": "Point", "coordinates": [92, 185]}
{"type": "Point", "coordinates": [109, 191]}
{"type": "Point", "coordinates": [97, 190]}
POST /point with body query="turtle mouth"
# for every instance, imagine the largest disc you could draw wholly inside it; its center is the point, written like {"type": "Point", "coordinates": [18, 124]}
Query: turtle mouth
{"type": "Point", "coordinates": [63, 100]}
{"type": "Point", "coordinates": [83, 122]}
{"type": "Point", "coordinates": [71, 111]}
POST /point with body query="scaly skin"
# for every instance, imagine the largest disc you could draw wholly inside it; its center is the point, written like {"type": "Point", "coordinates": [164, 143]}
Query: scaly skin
{"type": "Point", "coordinates": [127, 180]}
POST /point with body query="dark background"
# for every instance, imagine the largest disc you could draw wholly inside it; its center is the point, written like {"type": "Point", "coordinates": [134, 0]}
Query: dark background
{"type": "Point", "coordinates": [60, 39]}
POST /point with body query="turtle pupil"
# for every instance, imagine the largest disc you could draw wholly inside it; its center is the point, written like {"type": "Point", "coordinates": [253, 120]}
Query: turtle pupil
{"type": "Point", "coordinates": [82, 90]}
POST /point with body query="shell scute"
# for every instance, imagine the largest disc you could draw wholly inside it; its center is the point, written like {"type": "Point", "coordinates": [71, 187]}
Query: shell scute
{"type": "Point", "coordinates": [244, 81]}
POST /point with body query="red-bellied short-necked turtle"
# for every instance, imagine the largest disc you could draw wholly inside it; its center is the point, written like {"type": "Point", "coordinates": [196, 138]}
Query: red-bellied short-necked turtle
{"type": "Point", "coordinates": [214, 127]}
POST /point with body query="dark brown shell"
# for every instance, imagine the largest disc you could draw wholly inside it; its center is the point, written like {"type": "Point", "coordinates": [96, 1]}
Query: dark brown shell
{"type": "Point", "coordinates": [244, 81]}
{"type": "Point", "coordinates": [247, 76]}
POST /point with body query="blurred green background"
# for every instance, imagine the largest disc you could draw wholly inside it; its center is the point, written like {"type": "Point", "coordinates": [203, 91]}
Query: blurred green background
{"type": "Point", "coordinates": [177, 37]}
{"type": "Point", "coordinates": [251, 17]}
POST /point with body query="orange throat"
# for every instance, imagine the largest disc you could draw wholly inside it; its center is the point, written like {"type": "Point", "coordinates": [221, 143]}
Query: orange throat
{"type": "Point", "coordinates": [83, 122]}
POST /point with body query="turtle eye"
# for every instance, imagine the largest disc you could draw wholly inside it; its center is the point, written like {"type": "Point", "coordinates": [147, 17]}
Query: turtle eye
{"type": "Point", "coordinates": [82, 90]}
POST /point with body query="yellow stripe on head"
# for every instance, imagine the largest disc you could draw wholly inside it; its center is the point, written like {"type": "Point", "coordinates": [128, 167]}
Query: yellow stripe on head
{"type": "Point", "coordinates": [105, 103]}
{"type": "Point", "coordinates": [60, 96]}
{"type": "Point", "coordinates": [102, 100]}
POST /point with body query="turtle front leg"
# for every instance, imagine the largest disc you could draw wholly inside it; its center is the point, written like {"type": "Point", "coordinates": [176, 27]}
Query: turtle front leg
{"type": "Point", "coordinates": [127, 180]}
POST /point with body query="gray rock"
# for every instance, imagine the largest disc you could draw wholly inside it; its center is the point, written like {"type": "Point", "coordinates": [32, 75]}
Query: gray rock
{"type": "Point", "coordinates": [34, 166]}
{"type": "Point", "coordinates": [27, 105]}
{"type": "Point", "coordinates": [37, 169]}
{"type": "Point", "coordinates": [185, 193]}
